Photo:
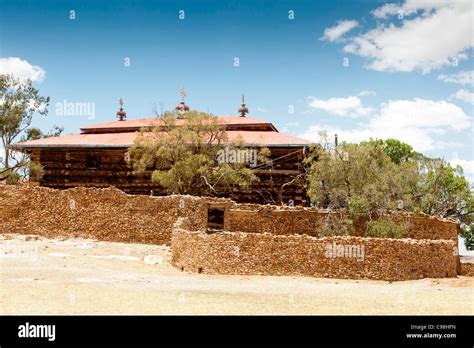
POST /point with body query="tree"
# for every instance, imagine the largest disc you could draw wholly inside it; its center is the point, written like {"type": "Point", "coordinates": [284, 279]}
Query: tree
{"type": "Point", "coordinates": [19, 102]}
{"type": "Point", "coordinates": [352, 176]}
{"type": "Point", "coordinates": [443, 191]}
{"type": "Point", "coordinates": [380, 175]}
{"type": "Point", "coordinates": [183, 155]}
{"type": "Point", "coordinates": [395, 149]}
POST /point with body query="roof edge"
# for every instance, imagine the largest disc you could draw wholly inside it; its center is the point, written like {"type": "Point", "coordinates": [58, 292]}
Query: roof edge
{"type": "Point", "coordinates": [21, 147]}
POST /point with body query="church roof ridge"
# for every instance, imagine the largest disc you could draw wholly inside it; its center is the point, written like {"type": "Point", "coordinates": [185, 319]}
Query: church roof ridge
{"type": "Point", "coordinates": [154, 121]}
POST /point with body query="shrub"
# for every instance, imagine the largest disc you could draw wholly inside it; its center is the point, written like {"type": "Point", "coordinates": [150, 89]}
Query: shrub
{"type": "Point", "coordinates": [36, 171]}
{"type": "Point", "coordinates": [468, 234]}
{"type": "Point", "coordinates": [336, 225]}
{"type": "Point", "coordinates": [358, 206]}
{"type": "Point", "coordinates": [11, 177]}
{"type": "Point", "coordinates": [385, 229]}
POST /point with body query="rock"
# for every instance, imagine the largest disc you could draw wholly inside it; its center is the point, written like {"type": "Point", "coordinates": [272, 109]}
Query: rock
{"type": "Point", "coordinates": [31, 237]}
{"type": "Point", "coordinates": [153, 259]}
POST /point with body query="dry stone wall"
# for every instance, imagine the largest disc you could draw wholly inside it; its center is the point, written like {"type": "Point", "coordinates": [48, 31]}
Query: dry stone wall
{"type": "Point", "coordinates": [259, 239]}
{"type": "Point", "coordinates": [335, 257]}
{"type": "Point", "coordinates": [106, 214]}
{"type": "Point", "coordinates": [110, 214]}
{"type": "Point", "coordinates": [467, 266]}
{"type": "Point", "coordinates": [298, 220]}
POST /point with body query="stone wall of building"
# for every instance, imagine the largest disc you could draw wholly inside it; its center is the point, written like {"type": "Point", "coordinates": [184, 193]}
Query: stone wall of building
{"type": "Point", "coordinates": [334, 257]}
{"type": "Point", "coordinates": [67, 168]}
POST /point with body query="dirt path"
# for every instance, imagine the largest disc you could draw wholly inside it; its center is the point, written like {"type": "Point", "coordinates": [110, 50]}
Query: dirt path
{"type": "Point", "coordinates": [90, 277]}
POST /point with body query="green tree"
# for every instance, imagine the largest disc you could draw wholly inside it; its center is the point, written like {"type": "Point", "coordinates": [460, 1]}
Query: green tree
{"type": "Point", "coordinates": [380, 175]}
{"type": "Point", "coordinates": [395, 149]}
{"type": "Point", "coordinates": [19, 101]}
{"type": "Point", "coordinates": [442, 190]}
{"type": "Point", "coordinates": [181, 155]}
{"type": "Point", "coordinates": [352, 176]}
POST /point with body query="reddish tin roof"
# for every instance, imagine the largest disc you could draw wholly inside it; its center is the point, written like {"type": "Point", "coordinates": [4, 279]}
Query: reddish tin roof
{"type": "Point", "coordinates": [126, 140]}
{"type": "Point", "coordinates": [136, 124]}
{"type": "Point", "coordinates": [120, 134]}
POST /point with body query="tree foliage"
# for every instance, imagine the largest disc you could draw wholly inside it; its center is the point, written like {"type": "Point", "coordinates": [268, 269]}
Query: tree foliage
{"type": "Point", "coordinates": [379, 175]}
{"type": "Point", "coordinates": [19, 102]}
{"type": "Point", "coordinates": [385, 228]}
{"type": "Point", "coordinates": [181, 156]}
{"type": "Point", "coordinates": [397, 151]}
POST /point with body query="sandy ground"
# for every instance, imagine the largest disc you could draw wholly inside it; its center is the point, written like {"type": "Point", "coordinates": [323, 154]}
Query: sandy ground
{"type": "Point", "coordinates": [77, 276]}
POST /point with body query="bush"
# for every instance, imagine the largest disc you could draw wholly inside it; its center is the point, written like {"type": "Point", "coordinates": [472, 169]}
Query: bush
{"type": "Point", "coordinates": [385, 229]}
{"type": "Point", "coordinates": [358, 206]}
{"type": "Point", "coordinates": [336, 225]}
{"type": "Point", "coordinates": [11, 177]}
{"type": "Point", "coordinates": [467, 232]}
{"type": "Point", "coordinates": [36, 171]}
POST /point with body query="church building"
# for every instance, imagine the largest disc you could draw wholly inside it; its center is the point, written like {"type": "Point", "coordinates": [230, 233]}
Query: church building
{"type": "Point", "coordinates": [97, 157]}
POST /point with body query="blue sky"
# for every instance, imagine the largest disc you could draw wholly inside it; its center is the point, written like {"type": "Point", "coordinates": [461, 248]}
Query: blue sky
{"type": "Point", "coordinates": [409, 72]}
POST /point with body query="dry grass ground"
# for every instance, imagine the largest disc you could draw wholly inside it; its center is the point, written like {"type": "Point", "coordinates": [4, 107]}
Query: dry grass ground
{"type": "Point", "coordinates": [90, 277]}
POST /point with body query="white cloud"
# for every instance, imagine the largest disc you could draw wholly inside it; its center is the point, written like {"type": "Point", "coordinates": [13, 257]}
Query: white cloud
{"type": "Point", "coordinates": [366, 93]}
{"type": "Point", "coordinates": [439, 33]}
{"type": "Point", "coordinates": [421, 113]}
{"type": "Point", "coordinates": [408, 8]}
{"type": "Point", "coordinates": [462, 77]}
{"type": "Point", "coordinates": [336, 32]}
{"type": "Point", "coordinates": [467, 166]}
{"type": "Point", "coordinates": [21, 69]}
{"type": "Point", "coordinates": [353, 135]}
{"type": "Point", "coordinates": [465, 96]}
{"type": "Point", "coordinates": [262, 110]}
{"type": "Point", "coordinates": [451, 144]}
{"type": "Point", "coordinates": [415, 122]}
{"type": "Point", "coordinates": [350, 106]}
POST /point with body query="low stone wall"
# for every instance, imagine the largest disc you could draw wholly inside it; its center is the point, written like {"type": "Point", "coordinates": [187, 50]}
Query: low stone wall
{"type": "Point", "coordinates": [283, 221]}
{"type": "Point", "coordinates": [112, 215]}
{"type": "Point", "coordinates": [467, 266]}
{"type": "Point", "coordinates": [335, 257]}
{"type": "Point", "coordinates": [106, 214]}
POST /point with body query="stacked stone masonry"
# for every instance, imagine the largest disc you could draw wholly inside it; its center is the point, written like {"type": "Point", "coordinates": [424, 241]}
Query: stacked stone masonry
{"type": "Point", "coordinates": [467, 266]}
{"type": "Point", "coordinates": [259, 239]}
{"type": "Point", "coordinates": [303, 255]}
{"type": "Point", "coordinates": [299, 220]}
{"type": "Point", "coordinates": [106, 214]}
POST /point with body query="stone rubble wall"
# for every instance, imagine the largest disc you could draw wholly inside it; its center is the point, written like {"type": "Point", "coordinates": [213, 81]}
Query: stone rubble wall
{"type": "Point", "coordinates": [105, 214]}
{"type": "Point", "coordinates": [281, 239]}
{"type": "Point", "coordinates": [299, 220]}
{"type": "Point", "coordinates": [302, 255]}
{"type": "Point", "coordinates": [467, 266]}
{"type": "Point", "coordinates": [111, 214]}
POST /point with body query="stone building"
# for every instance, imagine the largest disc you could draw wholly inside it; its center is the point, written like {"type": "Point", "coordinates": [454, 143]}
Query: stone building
{"type": "Point", "coordinates": [97, 157]}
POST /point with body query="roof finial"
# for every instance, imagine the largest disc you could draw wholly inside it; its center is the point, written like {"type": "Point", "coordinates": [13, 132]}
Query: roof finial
{"type": "Point", "coordinates": [243, 109]}
{"type": "Point", "coordinates": [182, 107]}
{"type": "Point", "coordinates": [182, 93]}
{"type": "Point", "coordinates": [121, 115]}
